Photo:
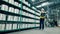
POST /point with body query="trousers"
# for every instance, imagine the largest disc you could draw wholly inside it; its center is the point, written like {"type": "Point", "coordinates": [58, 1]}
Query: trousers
{"type": "Point", "coordinates": [41, 23]}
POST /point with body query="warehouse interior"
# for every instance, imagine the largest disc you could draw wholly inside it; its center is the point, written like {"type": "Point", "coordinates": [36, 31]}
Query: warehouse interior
{"type": "Point", "coordinates": [23, 16]}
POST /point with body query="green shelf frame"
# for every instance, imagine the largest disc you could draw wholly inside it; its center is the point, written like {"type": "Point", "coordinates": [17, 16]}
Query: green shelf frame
{"type": "Point", "coordinates": [7, 13]}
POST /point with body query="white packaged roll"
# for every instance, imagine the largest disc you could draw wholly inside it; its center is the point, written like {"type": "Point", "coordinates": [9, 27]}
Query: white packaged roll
{"type": "Point", "coordinates": [10, 9]}
{"type": "Point", "coordinates": [2, 7]}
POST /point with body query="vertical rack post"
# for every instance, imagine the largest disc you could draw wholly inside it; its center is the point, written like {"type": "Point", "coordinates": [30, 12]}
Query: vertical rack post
{"type": "Point", "coordinates": [21, 14]}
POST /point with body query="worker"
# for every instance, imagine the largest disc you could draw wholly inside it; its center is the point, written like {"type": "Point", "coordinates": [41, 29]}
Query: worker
{"type": "Point", "coordinates": [55, 23]}
{"type": "Point", "coordinates": [42, 17]}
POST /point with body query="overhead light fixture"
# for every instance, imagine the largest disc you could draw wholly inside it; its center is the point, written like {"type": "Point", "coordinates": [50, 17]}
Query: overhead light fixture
{"type": "Point", "coordinates": [32, 0]}
{"type": "Point", "coordinates": [46, 3]}
{"type": "Point", "coordinates": [38, 6]}
{"type": "Point", "coordinates": [43, 4]}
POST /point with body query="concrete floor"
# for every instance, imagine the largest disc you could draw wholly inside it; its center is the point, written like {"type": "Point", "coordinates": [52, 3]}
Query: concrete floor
{"type": "Point", "coordinates": [55, 30]}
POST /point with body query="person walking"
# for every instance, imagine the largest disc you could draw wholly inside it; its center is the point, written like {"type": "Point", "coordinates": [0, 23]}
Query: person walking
{"type": "Point", "coordinates": [42, 17]}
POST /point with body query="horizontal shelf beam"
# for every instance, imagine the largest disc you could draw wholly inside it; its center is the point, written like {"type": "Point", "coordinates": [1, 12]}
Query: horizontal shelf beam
{"type": "Point", "coordinates": [16, 22]}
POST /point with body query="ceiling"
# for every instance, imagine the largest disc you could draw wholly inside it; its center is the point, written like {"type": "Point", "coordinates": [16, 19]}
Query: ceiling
{"type": "Point", "coordinates": [43, 3]}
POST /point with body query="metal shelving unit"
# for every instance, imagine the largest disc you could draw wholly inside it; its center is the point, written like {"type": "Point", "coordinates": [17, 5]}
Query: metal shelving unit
{"type": "Point", "coordinates": [19, 24]}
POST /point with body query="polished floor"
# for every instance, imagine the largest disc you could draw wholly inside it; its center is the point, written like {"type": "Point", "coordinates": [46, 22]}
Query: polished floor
{"type": "Point", "coordinates": [51, 30]}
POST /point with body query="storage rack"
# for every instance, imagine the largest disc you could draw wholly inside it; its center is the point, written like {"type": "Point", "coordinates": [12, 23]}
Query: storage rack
{"type": "Point", "coordinates": [22, 22]}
